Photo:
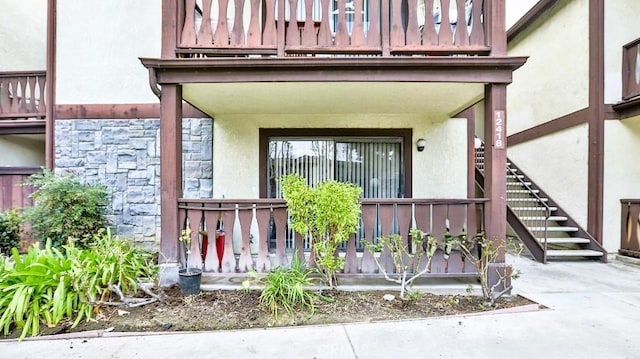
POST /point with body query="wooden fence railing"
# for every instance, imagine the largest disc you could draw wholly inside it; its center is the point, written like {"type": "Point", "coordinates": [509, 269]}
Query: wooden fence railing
{"type": "Point", "coordinates": [256, 234]}
{"type": "Point", "coordinates": [22, 95]}
{"type": "Point", "coordinates": [630, 227]}
{"type": "Point", "coordinates": [631, 69]}
{"type": "Point", "coordinates": [12, 194]}
{"type": "Point", "coordinates": [384, 27]}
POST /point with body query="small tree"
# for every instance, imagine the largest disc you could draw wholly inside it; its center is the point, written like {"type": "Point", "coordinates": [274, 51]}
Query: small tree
{"type": "Point", "coordinates": [66, 208]}
{"type": "Point", "coordinates": [406, 262]}
{"type": "Point", "coordinates": [328, 214]}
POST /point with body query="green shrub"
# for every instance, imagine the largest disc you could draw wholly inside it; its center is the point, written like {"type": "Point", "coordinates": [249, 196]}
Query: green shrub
{"type": "Point", "coordinates": [110, 261]}
{"type": "Point", "coordinates": [37, 288]}
{"type": "Point", "coordinates": [66, 208]}
{"type": "Point", "coordinates": [328, 214]}
{"type": "Point", "coordinates": [286, 288]}
{"type": "Point", "coordinates": [10, 228]}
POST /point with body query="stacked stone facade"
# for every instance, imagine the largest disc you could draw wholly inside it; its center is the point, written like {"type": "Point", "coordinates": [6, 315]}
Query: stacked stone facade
{"type": "Point", "coordinates": [124, 155]}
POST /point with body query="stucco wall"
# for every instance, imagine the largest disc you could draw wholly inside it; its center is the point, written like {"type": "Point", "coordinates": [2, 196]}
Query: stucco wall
{"type": "Point", "coordinates": [554, 81]}
{"type": "Point", "coordinates": [23, 35]}
{"type": "Point", "coordinates": [22, 150]}
{"type": "Point", "coordinates": [438, 172]}
{"type": "Point", "coordinates": [97, 56]}
{"type": "Point", "coordinates": [622, 146]}
{"type": "Point", "coordinates": [558, 164]}
{"type": "Point", "coordinates": [621, 27]}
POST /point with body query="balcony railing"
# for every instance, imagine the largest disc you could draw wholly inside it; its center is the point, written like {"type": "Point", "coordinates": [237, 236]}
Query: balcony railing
{"type": "Point", "coordinates": [22, 95]}
{"type": "Point", "coordinates": [631, 69]}
{"type": "Point", "coordinates": [256, 234]}
{"type": "Point", "coordinates": [630, 227]}
{"type": "Point", "coordinates": [311, 27]}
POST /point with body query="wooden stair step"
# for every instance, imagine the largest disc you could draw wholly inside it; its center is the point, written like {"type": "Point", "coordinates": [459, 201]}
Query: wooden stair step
{"type": "Point", "coordinates": [554, 229]}
{"type": "Point", "coordinates": [568, 253]}
{"type": "Point", "coordinates": [541, 218]}
{"type": "Point", "coordinates": [541, 208]}
{"type": "Point", "coordinates": [527, 199]}
{"type": "Point", "coordinates": [523, 191]}
{"type": "Point", "coordinates": [567, 240]}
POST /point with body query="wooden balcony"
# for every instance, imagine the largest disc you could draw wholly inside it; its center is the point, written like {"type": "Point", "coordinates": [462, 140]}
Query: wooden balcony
{"type": "Point", "coordinates": [257, 235]}
{"type": "Point", "coordinates": [273, 28]}
{"type": "Point", "coordinates": [630, 228]}
{"type": "Point", "coordinates": [631, 70]}
{"type": "Point", "coordinates": [22, 102]}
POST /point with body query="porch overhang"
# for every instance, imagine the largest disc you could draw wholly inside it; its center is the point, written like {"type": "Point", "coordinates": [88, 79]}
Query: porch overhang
{"type": "Point", "coordinates": [472, 69]}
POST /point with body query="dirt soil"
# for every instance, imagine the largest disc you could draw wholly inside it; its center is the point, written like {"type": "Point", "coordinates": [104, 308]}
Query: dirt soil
{"type": "Point", "coordinates": [228, 309]}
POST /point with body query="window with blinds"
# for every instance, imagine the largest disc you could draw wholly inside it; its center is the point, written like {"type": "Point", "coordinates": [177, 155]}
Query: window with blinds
{"type": "Point", "coordinates": [374, 164]}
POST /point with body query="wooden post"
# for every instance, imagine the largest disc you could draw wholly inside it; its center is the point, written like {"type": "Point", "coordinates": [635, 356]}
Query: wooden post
{"type": "Point", "coordinates": [497, 27]}
{"type": "Point", "coordinates": [50, 87]}
{"type": "Point", "coordinates": [170, 170]}
{"type": "Point", "coordinates": [495, 158]}
{"type": "Point", "coordinates": [170, 28]}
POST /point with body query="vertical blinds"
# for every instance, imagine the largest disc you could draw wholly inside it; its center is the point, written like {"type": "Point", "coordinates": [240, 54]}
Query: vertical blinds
{"type": "Point", "coordinates": [373, 164]}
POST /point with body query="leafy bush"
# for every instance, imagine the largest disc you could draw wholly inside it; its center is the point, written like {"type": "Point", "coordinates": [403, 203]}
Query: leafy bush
{"type": "Point", "coordinates": [286, 288]}
{"type": "Point", "coordinates": [66, 208]}
{"type": "Point", "coordinates": [47, 285]}
{"type": "Point", "coordinates": [38, 288]}
{"type": "Point", "coordinates": [328, 214]}
{"type": "Point", "coordinates": [10, 227]}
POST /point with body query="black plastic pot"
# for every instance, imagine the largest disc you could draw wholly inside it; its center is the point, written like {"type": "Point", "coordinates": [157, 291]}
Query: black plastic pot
{"type": "Point", "coordinates": [189, 280]}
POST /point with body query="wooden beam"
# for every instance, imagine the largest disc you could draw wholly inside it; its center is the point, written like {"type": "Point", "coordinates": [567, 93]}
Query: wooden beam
{"type": "Point", "coordinates": [547, 128]}
{"type": "Point", "coordinates": [170, 170]}
{"type": "Point", "coordinates": [495, 158]}
{"type": "Point", "coordinates": [120, 111]}
{"type": "Point", "coordinates": [596, 119]}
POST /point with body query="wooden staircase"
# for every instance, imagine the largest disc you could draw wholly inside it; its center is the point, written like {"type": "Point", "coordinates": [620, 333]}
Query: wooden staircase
{"type": "Point", "coordinates": [545, 229]}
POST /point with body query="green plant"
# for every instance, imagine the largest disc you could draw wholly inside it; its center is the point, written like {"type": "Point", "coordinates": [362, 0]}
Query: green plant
{"type": "Point", "coordinates": [10, 228]}
{"type": "Point", "coordinates": [406, 262]}
{"type": "Point", "coordinates": [109, 264]}
{"type": "Point", "coordinates": [286, 288]}
{"type": "Point", "coordinates": [38, 287]}
{"type": "Point", "coordinates": [66, 208]}
{"type": "Point", "coordinates": [328, 214]}
{"type": "Point", "coordinates": [185, 239]}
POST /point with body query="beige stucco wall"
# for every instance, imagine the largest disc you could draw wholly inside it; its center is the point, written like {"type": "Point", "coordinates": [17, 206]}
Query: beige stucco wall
{"type": "Point", "coordinates": [97, 56]}
{"type": "Point", "coordinates": [558, 164]}
{"type": "Point", "coordinates": [23, 35]}
{"type": "Point", "coordinates": [621, 174]}
{"type": "Point", "coordinates": [621, 27]}
{"type": "Point", "coordinates": [554, 81]}
{"type": "Point", "coordinates": [22, 150]}
{"type": "Point", "coordinates": [438, 172]}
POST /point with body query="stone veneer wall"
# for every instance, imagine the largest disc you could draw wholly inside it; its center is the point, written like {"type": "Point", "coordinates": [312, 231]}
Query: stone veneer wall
{"type": "Point", "coordinates": [124, 155]}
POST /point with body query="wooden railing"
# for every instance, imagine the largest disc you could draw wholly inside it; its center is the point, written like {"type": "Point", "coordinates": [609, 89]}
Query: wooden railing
{"type": "Point", "coordinates": [630, 227]}
{"type": "Point", "coordinates": [22, 95]}
{"type": "Point", "coordinates": [12, 193]}
{"type": "Point", "coordinates": [386, 27]}
{"type": "Point", "coordinates": [256, 235]}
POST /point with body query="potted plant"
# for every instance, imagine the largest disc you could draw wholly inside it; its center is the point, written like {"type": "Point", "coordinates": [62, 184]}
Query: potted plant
{"type": "Point", "coordinates": [188, 278]}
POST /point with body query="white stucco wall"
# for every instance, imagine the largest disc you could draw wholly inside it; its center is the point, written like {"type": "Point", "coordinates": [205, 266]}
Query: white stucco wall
{"type": "Point", "coordinates": [97, 56]}
{"type": "Point", "coordinates": [23, 35]}
{"type": "Point", "coordinates": [438, 172]}
{"type": "Point", "coordinates": [515, 9]}
{"type": "Point", "coordinates": [621, 174]}
{"type": "Point", "coordinates": [621, 27]}
{"type": "Point", "coordinates": [554, 81]}
{"type": "Point", "coordinates": [558, 164]}
{"type": "Point", "coordinates": [22, 150]}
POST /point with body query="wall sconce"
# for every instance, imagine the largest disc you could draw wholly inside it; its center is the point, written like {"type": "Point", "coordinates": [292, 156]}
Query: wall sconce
{"type": "Point", "coordinates": [420, 143]}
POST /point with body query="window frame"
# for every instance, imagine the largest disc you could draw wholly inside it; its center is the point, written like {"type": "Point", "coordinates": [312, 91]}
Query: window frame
{"type": "Point", "coordinates": [405, 133]}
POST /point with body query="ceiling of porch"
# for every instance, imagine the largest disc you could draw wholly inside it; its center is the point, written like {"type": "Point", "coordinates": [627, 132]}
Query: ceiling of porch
{"type": "Point", "coordinates": [432, 99]}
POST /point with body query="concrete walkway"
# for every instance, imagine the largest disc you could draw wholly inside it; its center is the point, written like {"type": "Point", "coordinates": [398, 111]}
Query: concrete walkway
{"type": "Point", "coordinates": [594, 312]}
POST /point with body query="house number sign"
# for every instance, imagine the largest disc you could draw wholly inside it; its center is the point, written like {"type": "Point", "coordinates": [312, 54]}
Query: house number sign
{"type": "Point", "coordinates": [499, 131]}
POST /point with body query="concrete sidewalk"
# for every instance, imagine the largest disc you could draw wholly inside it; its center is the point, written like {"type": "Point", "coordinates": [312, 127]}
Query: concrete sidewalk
{"type": "Point", "coordinates": [594, 312]}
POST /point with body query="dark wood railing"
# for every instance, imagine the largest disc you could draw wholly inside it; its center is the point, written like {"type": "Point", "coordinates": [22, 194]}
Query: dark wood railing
{"type": "Point", "coordinates": [629, 228]}
{"type": "Point", "coordinates": [256, 234]}
{"type": "Point", "coordinates": [631, 69]}
{"type": "Point", "coordinates": [12, 193]}
{"type": "Point", "coordinates": [387, 27]}
{"type": "Point", "coordinates": [22, 95]}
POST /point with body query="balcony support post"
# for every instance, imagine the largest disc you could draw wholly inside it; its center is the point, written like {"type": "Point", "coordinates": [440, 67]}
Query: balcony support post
{"type": "Point", "coordinates": [495, 181]}
{"type": "Point", "coordinates": [170, 175]}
